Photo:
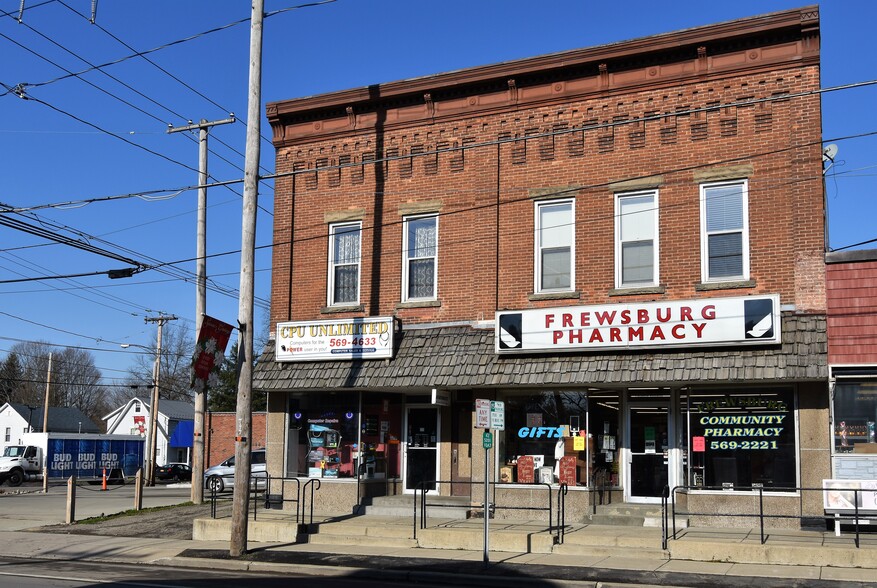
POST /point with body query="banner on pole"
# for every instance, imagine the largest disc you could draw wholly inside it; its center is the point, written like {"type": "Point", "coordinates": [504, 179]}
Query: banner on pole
{"type": "Point", "coordinates": [209, 352]}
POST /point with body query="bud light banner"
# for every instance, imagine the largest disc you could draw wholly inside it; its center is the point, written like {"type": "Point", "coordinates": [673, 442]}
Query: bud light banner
{"type": "Point", "coordinates": [87, 458]}
{"type": "Point", "coordinates": [749, 320]}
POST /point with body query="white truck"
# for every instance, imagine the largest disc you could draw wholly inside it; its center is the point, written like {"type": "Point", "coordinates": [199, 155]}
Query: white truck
{"type": "Point", "coordinates": [62, 455]}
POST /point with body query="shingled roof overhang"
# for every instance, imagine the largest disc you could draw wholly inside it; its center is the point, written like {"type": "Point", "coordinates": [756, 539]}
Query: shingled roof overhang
{"type": "Point", "coordinates": [461, 357]}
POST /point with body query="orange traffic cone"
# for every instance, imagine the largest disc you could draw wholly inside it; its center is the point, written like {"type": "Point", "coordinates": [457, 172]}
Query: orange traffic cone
{"type": "Point", "coordinates": [104, 484]}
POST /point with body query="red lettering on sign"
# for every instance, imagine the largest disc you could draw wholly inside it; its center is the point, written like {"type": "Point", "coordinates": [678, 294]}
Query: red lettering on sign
{"type": "Point", "coordinates": [549, 320]}
{"type": "Point", "coordinates": [605, 317]}
{"type": "Point", "coordinates": [685, 313]}
{"type": "Point", "coordinates": [625, 317]}
{"type": "Point", "coordinates": [679, 332]}
{"type": "Point", "coordinates": [586, 319]}
{"type": "Point", "coordinates": [635, 333]}
{"type": "Point", "coordinates": [575, 336]}
{"type": "Point", "coordinates": [557, 336]}
{"type": "Point", "coordinates": [567, 319]}
{"type": "Point", "coordinates": [615, 335]}
{"type": "Point", "coordinates": [595, 336]}
{"type": "Point", "coordinates": [642, 316]}
{"type": "Point", "coordinates": [698, 327]}
{"type": "Point", "coordinates": [709, 311]}
{"type": "Point", "coordinates": [657, 333]}
{"type": "Point", "coordinates": [663, 318]}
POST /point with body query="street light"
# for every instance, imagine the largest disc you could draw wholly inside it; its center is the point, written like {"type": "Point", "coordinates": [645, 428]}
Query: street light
{"type": "Point", "coordinates": [30, 418]}
{"type": "Point", "coordinates": [153, 412]}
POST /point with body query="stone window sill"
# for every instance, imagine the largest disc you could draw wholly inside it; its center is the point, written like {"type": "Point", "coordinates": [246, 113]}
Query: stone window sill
{"type": "Point", "coordinates": [707, 286]}
{"type": "Point", "coordinates": [419, 304]}
{"type": "Point", "coordinates": [339, 309]}
{"type": "Point", "coordinates": [570, 295]}
{"type": "Point", "coordinates": [635, 291]}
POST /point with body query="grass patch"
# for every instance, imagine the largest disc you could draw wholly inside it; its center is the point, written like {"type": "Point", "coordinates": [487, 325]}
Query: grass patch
{"type": "Point", "coordinates": [131, 513]}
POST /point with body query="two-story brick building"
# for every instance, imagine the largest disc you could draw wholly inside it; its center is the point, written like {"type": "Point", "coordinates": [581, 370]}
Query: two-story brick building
{"type": "Point", "coordinates": [623, 244]}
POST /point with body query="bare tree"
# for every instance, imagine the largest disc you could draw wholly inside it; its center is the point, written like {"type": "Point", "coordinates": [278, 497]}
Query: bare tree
{"type": "Point", "coordinates": [177, 347]}
{"type": "Point", "coordinates": [76, 381]}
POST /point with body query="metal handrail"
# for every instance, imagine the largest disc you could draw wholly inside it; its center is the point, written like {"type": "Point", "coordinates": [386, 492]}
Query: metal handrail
{"type": "Point", "coordinates": [314, 484]}
{"type": "Point", "coordinates": [492, 507]}
{"type": "Point", "coordinates": [271, 498]}
{"type": "Point", "coordinates": [838, 518]}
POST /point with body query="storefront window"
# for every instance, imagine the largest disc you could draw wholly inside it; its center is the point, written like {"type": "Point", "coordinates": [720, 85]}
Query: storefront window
{"type": "Point", "coordinates": [855, 412]}
{"type": "Point", "coordinates": [323, 435]}
{"type": "Point", "coordinates": [603, 418]}
{"type": "Point", "coordinates": [545, 439]}
{"type": "Point", "coordinates": [742, 439]}
{"type": "Point", "coordinates": [381, 435]}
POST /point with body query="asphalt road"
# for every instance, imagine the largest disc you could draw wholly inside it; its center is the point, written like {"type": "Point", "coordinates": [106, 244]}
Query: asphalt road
{"type": "Point", "coordinates": [30, 573]}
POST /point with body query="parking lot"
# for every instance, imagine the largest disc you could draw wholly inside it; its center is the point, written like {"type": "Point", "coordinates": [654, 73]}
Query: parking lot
{"type": "Point", "coordinates": [27, 506]}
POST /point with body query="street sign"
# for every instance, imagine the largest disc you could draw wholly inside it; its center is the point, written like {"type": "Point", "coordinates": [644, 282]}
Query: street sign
{"type": "Point", "coordinates": [497, 415]}
{"type": "Point", "coordinates": [482, 414]}
{"type": "Point", "coordinates": [487, 439]}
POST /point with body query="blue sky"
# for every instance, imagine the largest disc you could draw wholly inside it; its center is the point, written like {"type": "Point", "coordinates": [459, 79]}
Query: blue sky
{"type": "Point", "coordinates": [51, 151]}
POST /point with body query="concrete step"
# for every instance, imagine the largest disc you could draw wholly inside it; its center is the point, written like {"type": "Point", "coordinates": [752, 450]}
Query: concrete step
{"type": "Point", "coordinates": [340, 539]}
{"type": "Point", "coordinates": [403, 506]}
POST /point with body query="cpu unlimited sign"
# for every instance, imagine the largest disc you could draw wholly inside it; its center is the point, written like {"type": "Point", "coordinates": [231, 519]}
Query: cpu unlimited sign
{"type": "Point", "coordinates": [360, 338]}
{"type": "Point", "coordinates": [750, 320]}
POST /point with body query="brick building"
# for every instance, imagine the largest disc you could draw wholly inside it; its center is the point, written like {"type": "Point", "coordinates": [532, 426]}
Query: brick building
{"type": "Point", "coordinates": [221, 431]}
{"type": "Point", "coordinates": [851, 283]}
{"type": "Point", "coordinates": [623, 244]}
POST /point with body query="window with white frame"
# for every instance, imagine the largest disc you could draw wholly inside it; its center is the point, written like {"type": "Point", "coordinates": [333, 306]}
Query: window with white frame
{"type": "Point", "coordinates": [344, 263]}
{"type": "Point", "coordinates": [555, 246]}
{"type": "Point", "coordinates": [419, 258]}
{"type": "Point", "coordinates": [724, 231]}
{"type": "Point", "coordinates": [8, 434]}
{"type": "Point", "coordinates": [636, 239]}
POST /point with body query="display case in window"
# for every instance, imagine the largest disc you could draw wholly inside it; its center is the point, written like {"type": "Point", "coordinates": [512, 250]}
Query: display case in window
{"type": "Point", "coordinates": [324, 458]}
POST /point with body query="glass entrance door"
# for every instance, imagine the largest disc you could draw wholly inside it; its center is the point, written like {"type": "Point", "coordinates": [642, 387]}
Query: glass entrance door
{"type": "Point", "coordinates": [421, 448]}
{"type": "Point", "coordinates": [648, 462]}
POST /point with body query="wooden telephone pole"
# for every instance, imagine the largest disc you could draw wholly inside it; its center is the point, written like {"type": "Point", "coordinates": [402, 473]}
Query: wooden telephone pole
{"type": "Point", "coordinates": [200, 295]}
{"type": "Point", "coordinates": [245, 308]}
{"type": "Point", "coordinates": [153, 409]}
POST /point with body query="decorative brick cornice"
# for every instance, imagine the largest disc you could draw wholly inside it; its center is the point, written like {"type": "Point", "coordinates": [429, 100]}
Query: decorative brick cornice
{"type": "Point", "coordinates": [657, 61]}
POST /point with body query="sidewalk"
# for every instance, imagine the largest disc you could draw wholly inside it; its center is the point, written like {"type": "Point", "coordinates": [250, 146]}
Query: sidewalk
{"type": "Point", "coordinates": [372, 558]}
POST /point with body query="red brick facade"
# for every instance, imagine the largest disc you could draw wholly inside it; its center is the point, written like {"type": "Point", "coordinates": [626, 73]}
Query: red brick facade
{"type": "Point", "coordinates": [602, 121]}
{"type": "Point", "coordinates": [221, 432]}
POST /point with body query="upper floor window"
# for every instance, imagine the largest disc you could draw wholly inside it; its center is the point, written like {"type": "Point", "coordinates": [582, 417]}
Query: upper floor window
{"type": "Point", "coordinates": [136, 407]}
{"type": "Point", "coordinates": [555, 245]}
{"type": "Point", "coordinates": [344, 262]}
{"type": "Point", "coordinates": [419, 258]}
{"type": "Point", "coordinates": [636, 240]}
{"type": "Point", "coordinates": [724, 231]}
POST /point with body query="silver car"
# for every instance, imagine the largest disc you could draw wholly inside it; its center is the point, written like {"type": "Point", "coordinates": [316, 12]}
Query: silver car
{"type": "Point", "coordinates": [221, 477]}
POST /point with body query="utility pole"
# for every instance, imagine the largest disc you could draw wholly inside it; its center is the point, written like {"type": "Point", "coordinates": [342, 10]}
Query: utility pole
{"type": "Point", "coordinates": [245, 307]}
{"type": "Point", "coordinates": [201, 294]}
{"type": "Point", "coordinates": [48, 388]}
{"type": "Point", "coordinates": [153, 409]}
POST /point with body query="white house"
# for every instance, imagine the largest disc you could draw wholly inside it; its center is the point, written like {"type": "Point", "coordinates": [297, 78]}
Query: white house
{"type": "Point", "coordinates": [174, 433]}
{"type": "Point", "coordinates": [17, 419]}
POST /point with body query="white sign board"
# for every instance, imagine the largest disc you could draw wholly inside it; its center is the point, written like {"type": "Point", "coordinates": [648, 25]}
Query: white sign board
{"type": "Point", "coordinates": [482, 414]}
{"type": "Point", "coordinates": [342, 339]}
{"type": "Point", "coordinates": [846, 495]}
{"type": "Point", "coordinates": [744, 320]}
{"type": "Point", "coordinates": [497, 415]}
{"type": "Point", "coordinates": [441, 397]}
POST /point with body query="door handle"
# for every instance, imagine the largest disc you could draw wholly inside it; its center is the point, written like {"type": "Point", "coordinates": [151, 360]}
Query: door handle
{"type": "Point", "coordinates": [454, 456]}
